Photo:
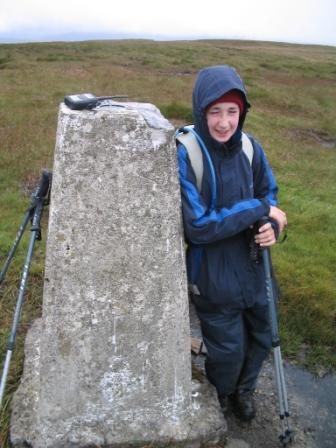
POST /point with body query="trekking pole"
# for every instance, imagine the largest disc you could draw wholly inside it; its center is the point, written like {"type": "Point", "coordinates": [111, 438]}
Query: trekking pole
{"type": "Point", "coordinates": [39, 200]}
{"type": "Point", "coordinates": [39, 192]}
{"type": "Point", "coordinates": [287, 434]}
{"type": "Point", "coordinates": [17, 240]}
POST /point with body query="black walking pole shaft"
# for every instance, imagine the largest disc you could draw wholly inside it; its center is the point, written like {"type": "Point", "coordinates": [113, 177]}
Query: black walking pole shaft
{"type": "Point", "coordinates": [19, 303]}
{"type": "Point", "coordinates": [15, 245]}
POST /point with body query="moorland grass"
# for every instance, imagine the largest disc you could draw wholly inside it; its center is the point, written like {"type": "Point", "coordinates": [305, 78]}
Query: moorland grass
{"type": "Point", "coordinates": [292, 89]}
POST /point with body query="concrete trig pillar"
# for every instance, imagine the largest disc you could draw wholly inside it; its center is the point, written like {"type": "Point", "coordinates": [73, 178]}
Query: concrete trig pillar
{"type": "Point", "coordinates": [108, 364]}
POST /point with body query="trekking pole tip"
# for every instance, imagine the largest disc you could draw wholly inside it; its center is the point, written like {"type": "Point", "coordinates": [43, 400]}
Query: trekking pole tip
{"type": "Point", "coordinates": [287, 437]}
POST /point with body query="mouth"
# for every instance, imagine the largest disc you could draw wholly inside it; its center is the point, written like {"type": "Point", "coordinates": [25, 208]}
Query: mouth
{"type": "Point", "coordinates": [223, 134]}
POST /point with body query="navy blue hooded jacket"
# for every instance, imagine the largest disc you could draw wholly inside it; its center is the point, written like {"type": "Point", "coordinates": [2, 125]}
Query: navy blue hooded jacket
{"type": "Point", "coordinates": [218, 258]}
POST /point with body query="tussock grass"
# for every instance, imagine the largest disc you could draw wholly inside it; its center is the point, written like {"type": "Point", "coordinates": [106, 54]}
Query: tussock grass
{"type": "Point", "coordinates": [177, 111]}
{"type": "Point", "coordinates": [292, 89]}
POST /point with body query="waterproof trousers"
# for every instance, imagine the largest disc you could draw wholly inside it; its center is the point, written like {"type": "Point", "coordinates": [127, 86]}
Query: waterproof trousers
{"type": "Point", "coordinates": [237, 340]}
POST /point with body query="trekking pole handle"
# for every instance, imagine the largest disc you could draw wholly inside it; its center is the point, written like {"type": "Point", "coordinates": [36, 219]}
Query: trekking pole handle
{"type": "Point", "coordinates": [36, 221]}
{"type": "Point", "coordinates": [255, 249]}
{"type": "Point", "coordinates": [42, 189]}
{"type": "Point", "coordinates": [43, 185]}
{"type": "Point", "coordinates": [262, 221]}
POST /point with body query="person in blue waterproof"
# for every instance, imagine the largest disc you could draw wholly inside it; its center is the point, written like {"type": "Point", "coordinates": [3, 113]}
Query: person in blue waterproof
{"type": "Point", "coordinates": [231, 300]}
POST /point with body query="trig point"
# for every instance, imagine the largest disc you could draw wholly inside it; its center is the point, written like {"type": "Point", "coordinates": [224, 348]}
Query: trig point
{"type": "Point", "coordinates": [108, 364]}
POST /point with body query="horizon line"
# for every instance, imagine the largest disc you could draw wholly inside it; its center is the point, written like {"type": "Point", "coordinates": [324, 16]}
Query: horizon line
{"type": "Point", "coordinates": [9, 38]}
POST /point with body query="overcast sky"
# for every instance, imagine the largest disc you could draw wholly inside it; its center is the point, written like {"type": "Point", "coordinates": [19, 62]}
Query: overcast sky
{"type": "Point", "coordinates": [297, 21]}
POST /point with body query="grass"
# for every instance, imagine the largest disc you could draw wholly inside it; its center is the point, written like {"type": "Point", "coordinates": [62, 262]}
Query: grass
{"type": "Point", "coordinates": [292, 89]}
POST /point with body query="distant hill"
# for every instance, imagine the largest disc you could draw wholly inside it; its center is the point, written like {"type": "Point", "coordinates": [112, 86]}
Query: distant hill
{"type": "Point", "coordinates": [66, 37]}
{"type": "Point", "coordinates": [45, 36]}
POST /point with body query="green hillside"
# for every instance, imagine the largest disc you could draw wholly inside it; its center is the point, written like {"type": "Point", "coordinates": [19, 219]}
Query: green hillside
{"type": "Point", "coordinates": [292, 89]}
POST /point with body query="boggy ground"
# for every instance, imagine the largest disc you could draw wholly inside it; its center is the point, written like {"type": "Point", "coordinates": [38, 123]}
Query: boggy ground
{"type": "Point", "coordinates": [264, 430]}
{"type": "Point", "coordinates": [311, 404]}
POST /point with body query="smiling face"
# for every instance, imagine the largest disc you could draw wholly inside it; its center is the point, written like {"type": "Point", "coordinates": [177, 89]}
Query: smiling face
{"type": "Point", "coordinates": [222, 120]}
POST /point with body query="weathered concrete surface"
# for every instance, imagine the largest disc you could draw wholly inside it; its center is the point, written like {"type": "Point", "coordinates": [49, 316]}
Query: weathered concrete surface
{"type": "Point", "coordinates": [108, 364]}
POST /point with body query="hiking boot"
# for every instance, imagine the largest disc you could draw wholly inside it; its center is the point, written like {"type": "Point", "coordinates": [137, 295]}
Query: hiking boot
{"type": "Point", "coordinates": [224, 403]}
{"type": "Point", "coordinates": [243, 405]}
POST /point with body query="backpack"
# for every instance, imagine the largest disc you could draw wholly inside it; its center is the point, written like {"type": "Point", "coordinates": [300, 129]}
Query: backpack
{"type": "Point", "coordinates": [195, 146]}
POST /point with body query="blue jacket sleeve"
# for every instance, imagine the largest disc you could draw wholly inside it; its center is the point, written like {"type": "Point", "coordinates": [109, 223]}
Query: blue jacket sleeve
{"type": "Point", "coordinates": [204, 226]}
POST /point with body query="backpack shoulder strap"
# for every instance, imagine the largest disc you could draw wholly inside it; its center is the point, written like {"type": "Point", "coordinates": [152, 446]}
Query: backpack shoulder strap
{"type": "Point", "coordinates": [247, 147]}
{"type": "Point", "coordinates": [194, 151]}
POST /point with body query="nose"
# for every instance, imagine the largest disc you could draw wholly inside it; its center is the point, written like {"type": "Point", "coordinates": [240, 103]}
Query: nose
{"type": "Point", "coordinates": [223, 121]}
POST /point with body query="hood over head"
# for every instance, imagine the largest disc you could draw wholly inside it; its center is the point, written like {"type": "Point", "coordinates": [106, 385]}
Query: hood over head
{"type": "Point", "coordinates": [211, 84]}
